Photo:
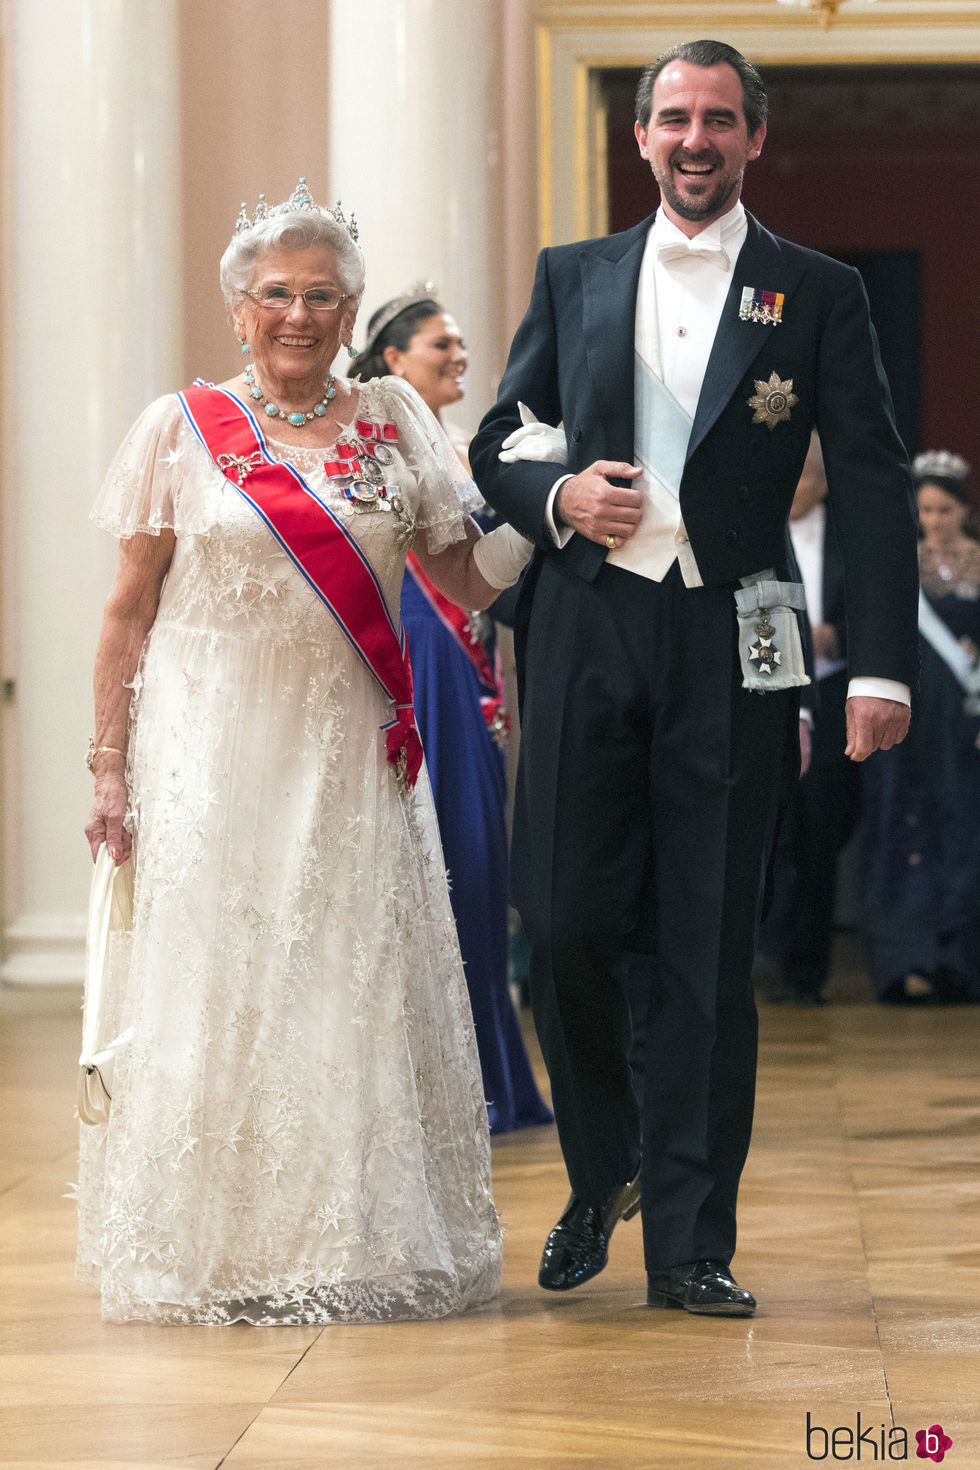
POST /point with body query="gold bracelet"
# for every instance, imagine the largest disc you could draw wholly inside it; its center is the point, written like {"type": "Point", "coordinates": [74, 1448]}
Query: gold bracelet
{"type": "Point", "coordinates": [94, 750]}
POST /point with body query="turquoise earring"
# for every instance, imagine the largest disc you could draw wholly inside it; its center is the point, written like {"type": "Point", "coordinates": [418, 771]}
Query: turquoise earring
{"type": "Point", "coordinates": [351, 351]}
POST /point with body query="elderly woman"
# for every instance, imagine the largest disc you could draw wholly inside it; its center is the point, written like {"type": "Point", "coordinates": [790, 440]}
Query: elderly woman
{"type": "Point", "coordinates": [297, 1130]}
{"type": "Point", "coordinates": [461, 719]}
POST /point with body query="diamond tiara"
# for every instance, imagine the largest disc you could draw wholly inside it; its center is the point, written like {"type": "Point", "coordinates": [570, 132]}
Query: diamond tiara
{"type": "Point", "coordinates": [300, 199]}
{"type": "Point", "coordinates": [942, 463]}
{"type": "Point", "coordinates": [420, 291]}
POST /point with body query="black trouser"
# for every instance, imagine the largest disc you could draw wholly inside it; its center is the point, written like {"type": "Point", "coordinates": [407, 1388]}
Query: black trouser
{"type": "Point", "coordinates": [648, 795]}
{"type": "Point", "coordinates": [821, 817]}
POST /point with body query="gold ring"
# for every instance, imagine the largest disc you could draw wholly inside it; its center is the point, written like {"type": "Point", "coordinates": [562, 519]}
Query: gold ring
{"type": "Point", "coordinates": [611, 542]}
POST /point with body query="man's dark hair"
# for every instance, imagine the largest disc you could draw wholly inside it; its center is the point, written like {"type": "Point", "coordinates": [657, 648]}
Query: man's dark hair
{"type": "Point", "coordinates": [755, 103]}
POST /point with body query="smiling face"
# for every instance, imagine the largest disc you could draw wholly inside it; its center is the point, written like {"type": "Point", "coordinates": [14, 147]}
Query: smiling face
{"type": "Point", "coordinates": [433, 362]}
{"type": "Point", "coordinates": [293, 349]}
{"type": "Point", "coordinates": [941, 517]}
{"type": "Point", "coordinates": [697, 142]}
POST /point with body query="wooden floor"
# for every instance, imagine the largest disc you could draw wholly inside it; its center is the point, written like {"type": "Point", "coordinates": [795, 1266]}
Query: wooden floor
{"type": "Point", "coordinates": [860, 1230]}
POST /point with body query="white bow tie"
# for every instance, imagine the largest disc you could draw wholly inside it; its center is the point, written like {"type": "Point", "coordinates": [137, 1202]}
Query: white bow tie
{"type": "Point", "coordinates": [671, 250]}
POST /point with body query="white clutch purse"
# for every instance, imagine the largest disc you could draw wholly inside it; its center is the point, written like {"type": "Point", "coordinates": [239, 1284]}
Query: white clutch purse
{"type": "Point", "coordinates": [110, 908]}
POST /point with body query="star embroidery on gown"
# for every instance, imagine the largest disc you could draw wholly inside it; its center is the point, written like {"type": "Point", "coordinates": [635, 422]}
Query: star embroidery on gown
{"type": "Point", "coordinates": [259, 1133]}
{"type": "Point", "coordinates": [295, 1292]}
{"type": "Point", "coordinates": [393, 1250]}
{"type": "Point", "coordinates": [287, 933]}
{"type": "Point", "coordinates": [149, 1248]}
{"type": "Point", "coordinates": [246, 1021]}
{"type": "Point", "coordinates": [340, 1074]}
{"type": "Point", "coordinates": [327, 1218]}
{"type": "Point", "coordinates": [270, 586]}
{"type": "Point", "coordinates": [372, 1239]}
{"type": "Point", "coordinates": [180, 1135]}
{"type": "Point", "coordinates": [172, 458]}
{"type": "Point", "coordinates": [227, 1138]}
{"type": "Point", "coordinates": [174, 1206]}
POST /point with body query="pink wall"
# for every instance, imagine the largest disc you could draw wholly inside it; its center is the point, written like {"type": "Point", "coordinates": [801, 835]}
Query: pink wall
{"type": "Point", "coordinates": [253, 123]}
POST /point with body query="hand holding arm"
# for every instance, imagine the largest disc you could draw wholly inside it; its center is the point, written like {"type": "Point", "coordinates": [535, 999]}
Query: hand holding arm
{"type": "Point", "coordinates": [597, 509]}
{"type": "Point", "coordinates": [129, 614]}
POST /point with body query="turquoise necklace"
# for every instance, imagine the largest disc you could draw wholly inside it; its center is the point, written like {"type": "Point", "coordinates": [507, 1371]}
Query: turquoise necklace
{"type": "Point", "coordinates": [299, 419]}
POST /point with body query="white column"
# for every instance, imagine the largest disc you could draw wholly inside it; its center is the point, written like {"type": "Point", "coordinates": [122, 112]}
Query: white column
{"type": "Point", "coordinates": [415, 98]}
{"type": "Point", "coordinates": [90, 335]}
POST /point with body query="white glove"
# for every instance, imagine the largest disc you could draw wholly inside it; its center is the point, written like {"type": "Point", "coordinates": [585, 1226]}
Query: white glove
{"type": "Point", "coordinates": [534, 440]}
{"type": "Point", "coordinates": [501, 556]}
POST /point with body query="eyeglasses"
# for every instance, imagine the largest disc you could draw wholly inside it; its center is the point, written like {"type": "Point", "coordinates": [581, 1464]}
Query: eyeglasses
{"type": "Point", "coordinates": [280, 298]}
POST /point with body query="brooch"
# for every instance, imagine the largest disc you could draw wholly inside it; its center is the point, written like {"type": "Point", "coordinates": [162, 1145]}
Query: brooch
{"type": "Point", "coordinates": [241, 464]}
{"type": "Point", "coordinates": [765, 307]}
{"type": "Point", "coordinates": [772, 401]}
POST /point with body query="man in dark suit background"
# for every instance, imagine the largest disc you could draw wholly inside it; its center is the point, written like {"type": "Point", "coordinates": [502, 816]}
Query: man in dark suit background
{"type": "Point", "coordinates": [793, 959]}
{"type": "Point", "coordinates": [688, 359]}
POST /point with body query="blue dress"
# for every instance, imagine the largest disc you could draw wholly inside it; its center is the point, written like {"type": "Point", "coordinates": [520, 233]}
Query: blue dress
{"type": "Point", "coordinates": [921, 895]}
{"type": "Point", "coordinates": [467, 772]}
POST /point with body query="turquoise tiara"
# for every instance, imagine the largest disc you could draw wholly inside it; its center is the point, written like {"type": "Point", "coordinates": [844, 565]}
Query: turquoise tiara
{"type": "Point", "coordinates": [300, 199]}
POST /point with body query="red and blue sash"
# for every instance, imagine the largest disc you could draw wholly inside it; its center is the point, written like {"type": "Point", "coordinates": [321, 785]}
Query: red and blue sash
{"type": "Point", "coordinates": [456, 622]}
{"type": "Point", "coordinates": [321, 549]}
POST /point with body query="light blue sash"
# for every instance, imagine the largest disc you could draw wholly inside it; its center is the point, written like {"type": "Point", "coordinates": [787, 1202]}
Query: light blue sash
{"type": "Point", "coordinates": [663, 429]}
{"type": "Point", "coordinates": [960, 663]}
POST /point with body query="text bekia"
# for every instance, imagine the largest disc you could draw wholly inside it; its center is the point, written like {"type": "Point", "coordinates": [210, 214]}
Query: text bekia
{"type": "Point", "coordinates": [861, 1442]}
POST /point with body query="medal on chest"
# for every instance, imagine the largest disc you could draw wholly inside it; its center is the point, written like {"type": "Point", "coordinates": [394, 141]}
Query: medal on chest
{"type": "Point", "coordinates": [359, 469]}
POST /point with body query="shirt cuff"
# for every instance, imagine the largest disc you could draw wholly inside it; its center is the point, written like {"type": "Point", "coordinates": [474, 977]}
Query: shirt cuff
{"type": "Point", "coordinates": [560, 535]}
{"type": "Point", "coordinates": [879, 689]}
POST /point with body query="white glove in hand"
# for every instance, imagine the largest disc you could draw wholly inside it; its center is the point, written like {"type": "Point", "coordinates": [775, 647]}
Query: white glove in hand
{"type": "Point", "coordinates": [534, 440]}
{"type": "Point", "coordinates": [501, 556]}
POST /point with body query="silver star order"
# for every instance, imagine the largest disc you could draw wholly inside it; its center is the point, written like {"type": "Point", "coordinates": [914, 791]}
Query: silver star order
{"type": "Point", "coordinates": [772, 401]}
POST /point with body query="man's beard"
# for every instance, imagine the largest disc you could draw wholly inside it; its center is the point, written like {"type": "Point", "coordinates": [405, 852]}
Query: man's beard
{"type": "Point", "coordinates": [695, 210]}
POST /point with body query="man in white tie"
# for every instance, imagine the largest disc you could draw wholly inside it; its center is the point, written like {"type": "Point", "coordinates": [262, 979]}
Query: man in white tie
{"type": "Point", "coordinates": [688, 359]}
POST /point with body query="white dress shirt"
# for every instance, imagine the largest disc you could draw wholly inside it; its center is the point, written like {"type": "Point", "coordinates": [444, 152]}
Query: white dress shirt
{"type": "Point", "coordinates": [680, 297]}
{"type": "Point", "coordinates": [808, 534]}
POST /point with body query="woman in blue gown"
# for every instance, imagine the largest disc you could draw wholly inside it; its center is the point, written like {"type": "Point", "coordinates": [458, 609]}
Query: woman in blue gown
{"type": "Point", "coordinates": [462, 722]}
{"type": "Point", "coordinates": [922, 798]}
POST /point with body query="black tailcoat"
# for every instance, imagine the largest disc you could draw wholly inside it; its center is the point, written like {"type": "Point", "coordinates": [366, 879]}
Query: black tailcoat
{"type": "Point", "coordinates": [649, 779]}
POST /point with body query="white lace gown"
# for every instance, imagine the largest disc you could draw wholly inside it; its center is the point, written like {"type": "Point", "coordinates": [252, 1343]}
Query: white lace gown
{"type": "Point", "coordinates": [298, 1131]}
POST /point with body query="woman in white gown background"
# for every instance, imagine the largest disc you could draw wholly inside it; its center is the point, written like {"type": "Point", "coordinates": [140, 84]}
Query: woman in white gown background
{"type": "Point", "coordinates": [298, 1129]}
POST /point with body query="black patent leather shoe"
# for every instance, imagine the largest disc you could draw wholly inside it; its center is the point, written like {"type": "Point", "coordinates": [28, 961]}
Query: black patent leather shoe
{"type": "Point", "coordinates": [578, 1247]}
{"type": "Point", "coordinates": [706, 1288]}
